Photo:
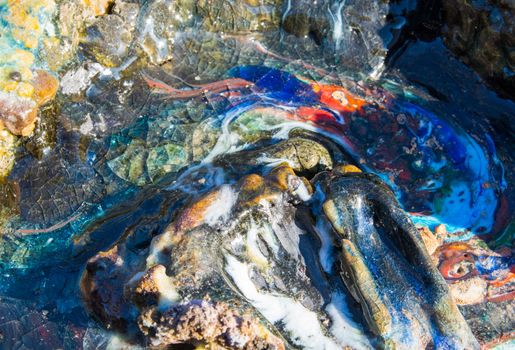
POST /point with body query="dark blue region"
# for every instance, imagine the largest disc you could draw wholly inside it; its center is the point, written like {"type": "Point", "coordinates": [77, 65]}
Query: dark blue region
{"type": "Point", "coordinates": [277, 84]}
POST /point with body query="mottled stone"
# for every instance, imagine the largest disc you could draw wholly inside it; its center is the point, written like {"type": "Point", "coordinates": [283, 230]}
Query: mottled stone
{"type": "Point", "coordinates": [164, 159]}
{"type": "Point", "coordinates": [240, 16]}
{"type": "Point", "coordinates": [159, 22]}
{"type": "Point", "coordinates": [365, 214]}
{"type": "Point", "coordinates": [208, 323]}
{"type": "Point", "coordinates": [18, 110]}
{"type": "Point", "coordinates": [183, 288]}
{"type": "Point", "coordinates": [301, 154]}
{"type": "Point", "coordinates": [99, 7]}
{"type": "Point", "coordinates": [353, 33]}
{"type": "Point", "coordinates": [130, 166]}
{"type": "Point", "coordinates": [107, 40]}
{"type": "Point", "coordinates": [475, 272]}
{"type": "Point", "coordinates": [29, 44]}
{"type": "Point", "coordinates": [23, 326]}
{"type": "Point", "coordinates": [54, 187]}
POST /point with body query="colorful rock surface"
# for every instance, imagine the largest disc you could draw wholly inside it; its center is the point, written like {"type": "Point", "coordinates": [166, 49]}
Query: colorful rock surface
{"type": "Point", "coordinates": [250, 175]}
{"type": "Point", "coordinates": [366, 217]}
{"type": "Point", "coordinates": [258, 254]}
{"type": "Point", "coordinates": [435, 167]}
{"type": "Point", "coordinates": [22, 88]}
{"type": "Point", "coordinates": [31, 52]}
{"type": "Point", "coordinates": [244, 235]}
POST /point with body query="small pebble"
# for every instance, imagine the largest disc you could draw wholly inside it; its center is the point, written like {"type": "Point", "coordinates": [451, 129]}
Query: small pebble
{"type": "Point", "coordinates": [16, 76]}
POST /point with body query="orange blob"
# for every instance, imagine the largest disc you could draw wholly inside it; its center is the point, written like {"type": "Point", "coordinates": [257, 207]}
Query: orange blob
{"type": "Point", "coordinates": [338, 98]}
{"type": "Point", "coordinates": [45, 86]}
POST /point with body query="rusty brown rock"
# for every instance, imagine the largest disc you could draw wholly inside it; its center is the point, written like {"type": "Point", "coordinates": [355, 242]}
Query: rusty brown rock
{"type": "Point", "coordinates": [19, 113]}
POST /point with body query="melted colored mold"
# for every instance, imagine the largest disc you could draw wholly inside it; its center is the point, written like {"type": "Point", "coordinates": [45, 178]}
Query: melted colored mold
{"type": "Point", "coordinates": [436, 168]}
{"type": "Point", "coordinates": [229, 241]}
{"type": "Point", "coordinates": [248, 175]}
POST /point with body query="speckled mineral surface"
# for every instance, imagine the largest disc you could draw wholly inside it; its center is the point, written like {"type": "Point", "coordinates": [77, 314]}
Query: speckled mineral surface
{"type": "Point", "coordinates": [256, 174]}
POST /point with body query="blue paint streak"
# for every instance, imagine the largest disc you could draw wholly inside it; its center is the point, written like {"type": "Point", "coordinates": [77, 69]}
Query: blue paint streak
{"type": "Point", "coordinates": [464, 198]}
{"type": "Point", "coordinates": [278, 84]}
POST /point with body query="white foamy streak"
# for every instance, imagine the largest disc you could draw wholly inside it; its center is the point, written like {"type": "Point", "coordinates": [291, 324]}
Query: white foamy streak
{"type": "Point", "coordinates": [272, 162]}
{"type": "Point", "coordinates": [268, 236]}
{"type": "Point", "coordinates": [337, 24]}
{"type": "Point", "coordinates": [302, 192]}
{"type": "Point", "coordinates": [377, 71]}
{"type": "Point", "coordinates": [168, 294]}
{"type": "Point", "coordinates": [118, 343]}
{"type": "Point", "coordinates": [214, 177]}
{"type": "Point", "coordinates": [221, 207]}
{"type": "Point", "coordinates": [343, 328]}
{"type": "Point", "coordinates": [325, 255]}
{"type": "Point", "coordinates": [227, 141]}
{"type": "Point", "coordinates": [286, 11]}
{"type": "Point", "coordinates": [302, 324]}
{"type": "Point", "coordinates": [115, 72]}
{"type": "Point", "coordinates": [161, 44]}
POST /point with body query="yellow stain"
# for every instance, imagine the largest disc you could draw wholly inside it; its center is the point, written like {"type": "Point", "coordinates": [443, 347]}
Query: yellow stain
{"type": "Point", "coordinates": [25, 89]}
{"type": "Point", "coordinates": [349, 168]}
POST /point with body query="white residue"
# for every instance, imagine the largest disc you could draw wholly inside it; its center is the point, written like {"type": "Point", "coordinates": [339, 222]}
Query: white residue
{"type": "Point", "coordinates": [288, 234]}
{"type": "Point", "coordinates": [268, 235]}
{"type": "Point", "coordinates": [117, 343]}
{"type": "Point", "coordinates": [322, 228]}
{"type": "Point", "coordinates": [227, 141]}
{"type": "Point", "coordinates": [87, 126]}
{"type": "Point", "coordinates": [287, 10]}
{"type": "Point", "coordinates": [302, 191]}
{"type": "Point", "coordinates": [273, 162]}
{"type": "Point", "coordinates": [75, 81]}
{"type": "Point", "coordinates": [237, 244]}
{"type": "Point", "coordinates": [158, 244]}
{"type": "Point", "coordinates": [221, 207]}
{"type": "Point", "coordinates": [377, 71]}
{"type": "Point", "coordinates": [343, 328]}
{"type": "Point", "coordinates": [337, 24]}
{"type": "Point", "coordinates": [204, 174]}
{"type": "Point", "coordinates": [14, 106]}
{"type": "Point", "coordinates": [301, 324]}
{"type": "Point", "coordinates": [160, 43]}
{"type": "Point", "coordinates": [114, 72]}
{"type": "Point", "coordinates": [167, 292]}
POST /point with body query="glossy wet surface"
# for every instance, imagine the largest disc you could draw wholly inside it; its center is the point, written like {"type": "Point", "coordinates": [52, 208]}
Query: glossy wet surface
{"type": "Point", "coordinates": [186, 98]}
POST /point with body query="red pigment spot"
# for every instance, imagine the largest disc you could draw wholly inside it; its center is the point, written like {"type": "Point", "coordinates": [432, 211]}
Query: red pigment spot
{"type": "Point", "coordinates": [315, 115]}
{"type": "Point", "coordinates": [404, 175]}
{"type": "Point", "coordinates": [216, 87]}
{"type": "Point", "coordinates": [502, 297]}
{"type": "Point", "coordinates": [338, 98]}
